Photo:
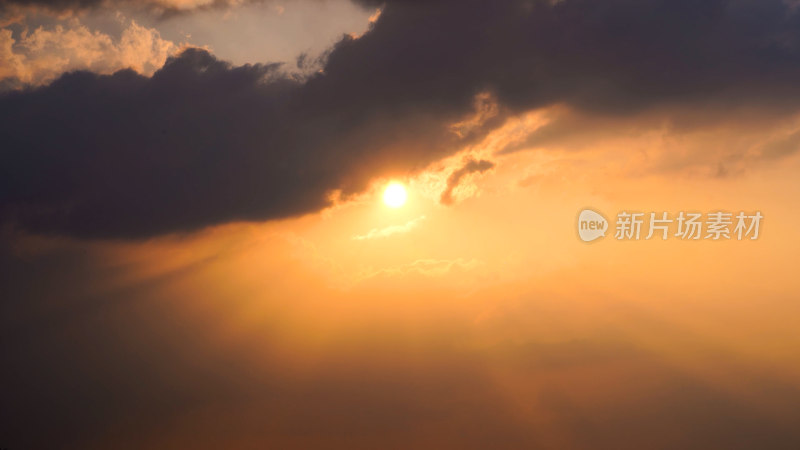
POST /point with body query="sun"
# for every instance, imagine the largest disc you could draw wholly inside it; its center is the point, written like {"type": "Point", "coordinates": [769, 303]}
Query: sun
{"type": "Point", "coordinates": [395, 195]}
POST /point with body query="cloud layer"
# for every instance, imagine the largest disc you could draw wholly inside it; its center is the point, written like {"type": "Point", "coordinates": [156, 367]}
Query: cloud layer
{"type": "Point", "coordinates": [202, 142]}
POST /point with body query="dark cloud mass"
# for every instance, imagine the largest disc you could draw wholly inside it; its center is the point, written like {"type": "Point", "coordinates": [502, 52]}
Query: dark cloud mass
{"type": "Point", "coordinates": [202, 142]}
{"type": "Point", "coordinates": [470, 166]}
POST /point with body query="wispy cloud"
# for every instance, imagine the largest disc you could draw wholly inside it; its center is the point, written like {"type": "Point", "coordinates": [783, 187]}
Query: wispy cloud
{"type": "Point", "coordinates": [428, 267]}
{"type": "Point", "coordinates": [390, 230]}
{"type": "Point", "coordinates": [470, 166]}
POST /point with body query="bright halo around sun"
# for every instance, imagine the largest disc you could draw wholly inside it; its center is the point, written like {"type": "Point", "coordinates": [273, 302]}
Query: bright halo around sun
{"type": "Point", "coordinates": [395, 195]}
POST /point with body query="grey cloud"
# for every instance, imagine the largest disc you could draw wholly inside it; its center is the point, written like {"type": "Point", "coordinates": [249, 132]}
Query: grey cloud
{"type": "Point", "coordinates": [470, 166]}
{"type": "Point", "coordinates": [198, 143]}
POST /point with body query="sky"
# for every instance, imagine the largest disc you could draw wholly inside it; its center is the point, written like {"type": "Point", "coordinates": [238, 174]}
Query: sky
{"type": "Point", "coordinates": [197, 247]}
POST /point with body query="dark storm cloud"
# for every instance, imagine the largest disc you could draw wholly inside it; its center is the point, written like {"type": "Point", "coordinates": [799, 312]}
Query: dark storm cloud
{"type": "Point", "coordinates": [202, 142]}
{"type": "Point", "coordinates": [470, 166]}
{"type": "Point", "coordinates": [199, 143]}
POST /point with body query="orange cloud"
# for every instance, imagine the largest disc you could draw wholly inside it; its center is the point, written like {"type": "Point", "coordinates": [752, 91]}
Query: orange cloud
{"type": "Point", "coordinates": [44, 54]}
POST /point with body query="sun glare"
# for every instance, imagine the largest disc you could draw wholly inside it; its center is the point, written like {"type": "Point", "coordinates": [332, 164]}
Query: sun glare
{"type": "Point", "coordinates": [395, 195]}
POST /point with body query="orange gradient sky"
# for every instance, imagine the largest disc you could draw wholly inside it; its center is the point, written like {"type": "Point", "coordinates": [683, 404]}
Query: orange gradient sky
{"type": "Point", "coordinates": [197, 249]}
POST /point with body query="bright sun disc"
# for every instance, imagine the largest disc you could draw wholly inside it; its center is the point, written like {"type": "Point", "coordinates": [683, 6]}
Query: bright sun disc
{"type": "Point", "coordinates": [395, 195]}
